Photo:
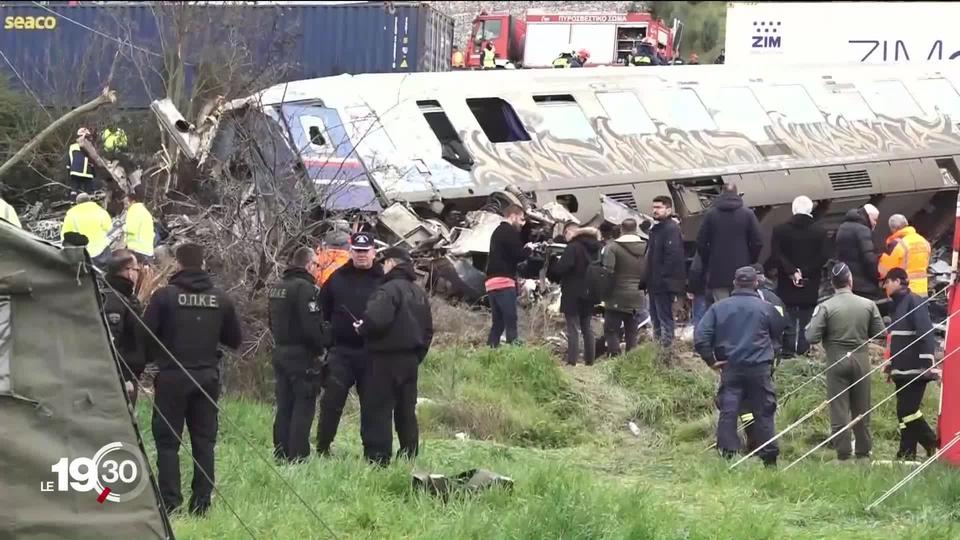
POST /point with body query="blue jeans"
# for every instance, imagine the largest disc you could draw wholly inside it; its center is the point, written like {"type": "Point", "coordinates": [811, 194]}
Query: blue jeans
{"type": "Point", "coordinates": [699, 308]}
{"type": "Point", "coordinates": [503, 305]}
{"type": "Point", "coordinates": [661, 315]}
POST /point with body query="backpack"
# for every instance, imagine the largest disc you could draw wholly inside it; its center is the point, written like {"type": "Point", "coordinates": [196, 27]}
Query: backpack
{"type": "Point", "coordinates": [598, 284]}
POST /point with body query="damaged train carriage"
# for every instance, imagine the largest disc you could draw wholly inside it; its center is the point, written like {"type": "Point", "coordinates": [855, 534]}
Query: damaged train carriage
{"type": "Point", "coordinates": [447, 144]}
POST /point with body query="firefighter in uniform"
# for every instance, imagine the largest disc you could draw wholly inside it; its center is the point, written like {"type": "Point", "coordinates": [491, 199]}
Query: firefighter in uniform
{"type": "Point", "coordinates": [489, 56]}
{"type": "Point", "coordinates": [138, 227]}
{"type": "Point", "coordinates": [343, 298]}
{"type": "Point", "coordinates": [398, 327]}
{"type": "Point", "coordinates": [908, 250]}
{"type": "Point", "coordinates": [79, 165]}
{"type": "Point", "coordinates": [90, 220]}
{"type": "Point", "coordinates": [737, 336]}
{"type": "Point", "coordinates": [912, 346]}
{"type": "Point", "coordinates": [122, 308]}
{"type": "Point", "coordinates": [190, 317]}
{"type": "Point", "coordinates": [299, 340]}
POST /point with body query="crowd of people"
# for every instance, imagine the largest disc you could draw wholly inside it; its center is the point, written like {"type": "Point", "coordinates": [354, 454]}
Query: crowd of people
{"type": "Point", "coordinates": [743, 320]}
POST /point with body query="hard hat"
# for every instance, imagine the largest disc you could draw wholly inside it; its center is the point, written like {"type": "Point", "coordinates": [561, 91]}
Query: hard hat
{"type": "Point", "coordinates": [584, 53]}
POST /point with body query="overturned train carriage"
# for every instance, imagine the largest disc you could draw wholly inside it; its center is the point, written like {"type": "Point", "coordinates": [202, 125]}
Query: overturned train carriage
{"type": "Point", "coordinates": [444, 142]}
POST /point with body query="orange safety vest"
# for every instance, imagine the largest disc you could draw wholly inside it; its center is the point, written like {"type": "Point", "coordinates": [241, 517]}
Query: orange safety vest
{"type": "Point", "coordinates": [908, 250]}
{"type": "Point", "coordinates": [328, 260]}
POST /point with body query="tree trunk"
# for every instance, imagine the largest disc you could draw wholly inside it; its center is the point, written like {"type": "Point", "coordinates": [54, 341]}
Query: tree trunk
{"type": "Point", "coordinates": [107, 96]}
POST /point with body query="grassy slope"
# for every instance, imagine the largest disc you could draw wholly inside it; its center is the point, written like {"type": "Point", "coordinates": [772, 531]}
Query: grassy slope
{"type": "Point", "coordinates": [579, 472]}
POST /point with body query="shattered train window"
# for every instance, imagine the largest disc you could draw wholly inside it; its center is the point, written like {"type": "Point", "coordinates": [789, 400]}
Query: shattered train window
{"type": "Point", "coordinates": [6, 344]}
{"type": "Point", "coordinates": [451, 146]}
{"type": "Point", "coordinates": [498, 120]}
{"type": "Point", "coordinates": [679, 108]}
{"type": "Point", "coordinates": [563, 118]}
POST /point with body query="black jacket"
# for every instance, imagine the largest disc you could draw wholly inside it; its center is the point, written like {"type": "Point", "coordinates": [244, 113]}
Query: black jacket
{"type": "Point", "coordinates": [129, 337]}
{"type": "Point", "coordinates": [799, 244]}
{"type": "Point", "coordinates": [295, 320]}
{"type": "Point", "coordinates": [855, 247]}
{"type": "Point", "coordinates": [911, 351]}
{"type": "Point", "coordinates": [397, 318]}
{"type": "Point", "coordinates": [666, 267]}
{"type": "Point", "coordinates": [506, 252]}
{"type": "Point", "coordinates": [729, 238]}
{"type": "Point", "coordinates": [191, 317]}
{"type": "Point", "coordinates": [696, 280]}
{"type": "Point", "coordinates": [343, 297]}
{"type": "Point", "coordinates": [766, 293]}
{"type": "Point", "coordinates": [571, 269]}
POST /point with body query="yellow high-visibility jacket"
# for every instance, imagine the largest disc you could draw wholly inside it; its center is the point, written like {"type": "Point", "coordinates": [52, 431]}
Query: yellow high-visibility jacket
{"type": "Point", "coordinates": [8, 213]}
{"type": "Point", "coordinates": [91, 220]}
{"type": "Point", "coordinates": [908, 250]}
{"type": "Point", "coordinates": [138, 229]}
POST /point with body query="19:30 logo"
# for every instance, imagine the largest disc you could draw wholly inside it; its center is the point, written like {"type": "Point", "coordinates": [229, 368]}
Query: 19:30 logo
{"type": "Point", "coordinates": [117, 473]}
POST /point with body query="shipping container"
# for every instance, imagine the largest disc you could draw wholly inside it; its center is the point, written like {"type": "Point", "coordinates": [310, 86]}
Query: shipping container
{"type": "Point", "coordinates": [64, 54]}
{"type": "Point", "coordinates": [761, 33]}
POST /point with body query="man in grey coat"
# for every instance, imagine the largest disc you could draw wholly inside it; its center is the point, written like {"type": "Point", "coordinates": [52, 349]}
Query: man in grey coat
{"type": "Point", "coordinates": [843, 323]}
{"type": "Point", "coordinates": [626, 306]}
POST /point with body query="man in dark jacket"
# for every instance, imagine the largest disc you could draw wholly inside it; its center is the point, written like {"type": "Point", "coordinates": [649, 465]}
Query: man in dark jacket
{"type": "Point", "coordinates": [855, 247]}
{"type": "Point", "coordinates": [666, 268]}
{"type": "Point", "coordinates": [506, 253]}
{"type": "Point", "coordinates": [737, 336]}
{"type": "Point", "coordinates": [122, 308]}
{"type": "Point", "coordinates": [912, 345]}
{"type": "Point", "coordinates": [583, 246]}
{"type": "Point", "coordinates": [299, 339]}
{"type": "Point", "coordinates": [190, 317]}
{"type": "Point", "coordinates": [343, 298]}
{"type": "Point", "coordinates": [625, 259]}
{"type": "Point", "coordinates": [398, 328]}
{"type": "Point", "coordinates": [798, 250]}
{"type": "Point", "coordinates": [729, 238]}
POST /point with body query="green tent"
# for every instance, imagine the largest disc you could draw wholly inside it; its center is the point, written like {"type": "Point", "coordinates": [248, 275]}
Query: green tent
{"type": "Point", "coordinates": [72, 464]}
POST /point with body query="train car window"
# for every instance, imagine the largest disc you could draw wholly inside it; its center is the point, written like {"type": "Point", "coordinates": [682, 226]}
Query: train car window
{"type": "Point", "coordinates": [451, 146]}
{"type": "Point", "coordinates": [737, 109]}
{"type": "Point", "coordinates": [679, 108]}
{"type": "Point", "coordinates": [498, 120]}
{"type": "Point", "coordinates": [790, 100]}
{"type": "Point", "coordinates": [850, 105]}
{"type": "Point", "coordinates": [938, 96]}
{"type": "Point", "coordinates": [891, 98]}
{"type": "Point", "coordinates": [626, 113]}
{"type": "Point", "coordinates": [563, 118]}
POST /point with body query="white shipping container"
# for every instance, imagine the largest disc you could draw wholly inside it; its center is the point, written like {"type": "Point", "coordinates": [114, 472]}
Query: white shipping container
{"type": "Point", "coordinates": [841, 32]}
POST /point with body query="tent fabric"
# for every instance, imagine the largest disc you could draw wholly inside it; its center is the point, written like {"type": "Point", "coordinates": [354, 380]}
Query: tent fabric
{"type": "Point", "coordinates": [64, 398]}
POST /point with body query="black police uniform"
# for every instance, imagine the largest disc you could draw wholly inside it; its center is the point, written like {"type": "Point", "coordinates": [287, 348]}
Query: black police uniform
{"type": "Point", "coordinates": [298, 335]}
{"type": "Point", "coordinates": [342, 299]}
{"type": "Point", "coordinates": [399, 329]}
{"type": "Point", "coordinates": [190, 317]}
{"type": "Point", "coordinates": [128, 335]}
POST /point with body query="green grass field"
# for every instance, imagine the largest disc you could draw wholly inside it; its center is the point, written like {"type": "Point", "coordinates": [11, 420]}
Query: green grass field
{"type": "Point", "coordinates": [562, 435]}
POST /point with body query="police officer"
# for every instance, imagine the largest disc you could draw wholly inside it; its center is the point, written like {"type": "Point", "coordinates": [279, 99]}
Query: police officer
{"type": "Point", "coordinates": [736, 336]}
{"type": "Point", "coordinates": [298, 335]}
{"type": "Point", "coordinates": [844, 322]}
{"type": "Point", "coordinates": [912, 345]}
{"type": "Point", "coordinates": [343, 299]}
{"type": "Point", "coordinates": [189, 317]}
{"type": "Point", "coordinates": [398, 327]}
{"type": "Point", "coordinates": [121, 307]}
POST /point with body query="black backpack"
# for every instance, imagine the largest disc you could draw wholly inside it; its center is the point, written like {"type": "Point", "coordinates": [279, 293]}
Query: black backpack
{"type": "Point", "coordinates": [598, 284]}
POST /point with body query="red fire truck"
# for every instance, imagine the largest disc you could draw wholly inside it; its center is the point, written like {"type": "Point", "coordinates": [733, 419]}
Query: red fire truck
{"type": "Point", "coordinates": [536, 40]}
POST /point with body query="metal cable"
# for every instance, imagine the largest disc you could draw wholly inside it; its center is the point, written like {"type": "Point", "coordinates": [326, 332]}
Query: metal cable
{"type": "Point", "coordinates": [915, 472]}
{"type": "Point", "coordinates": [871, 409]}
{"type": "Point", "coordinates": [95, 31]}
{"type": "Point", "coordinates": [820, 407]}
{"type": "Point", "coordinates": [823, 372]}
{"type": "Point", "coordinates": [219, 411]}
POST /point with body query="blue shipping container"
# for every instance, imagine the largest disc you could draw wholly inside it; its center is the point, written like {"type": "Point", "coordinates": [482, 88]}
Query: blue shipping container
{"type": "Point", "coordinates": [64, 54]}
